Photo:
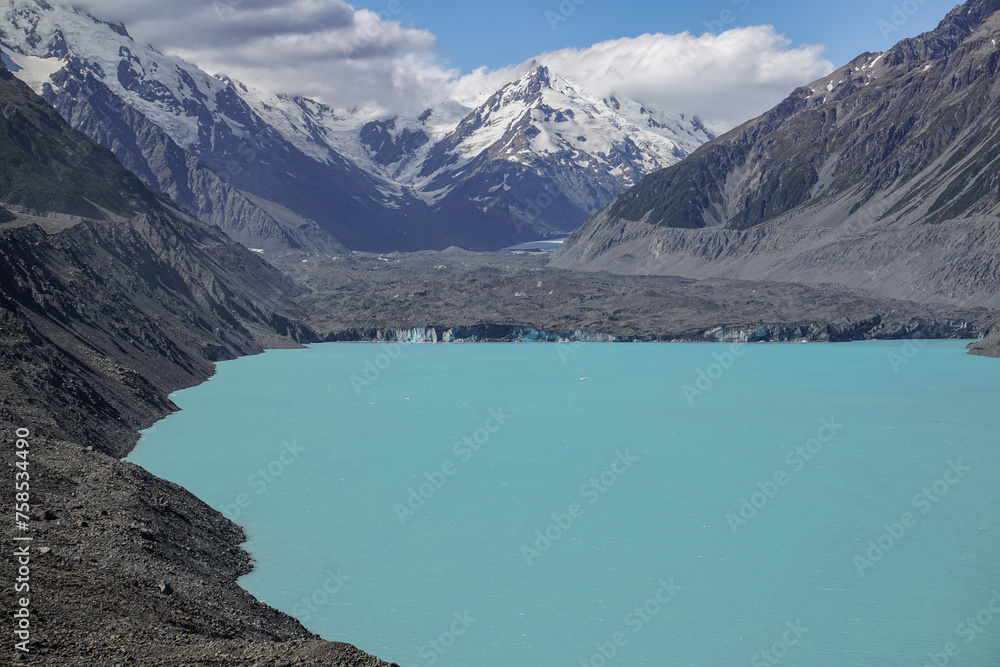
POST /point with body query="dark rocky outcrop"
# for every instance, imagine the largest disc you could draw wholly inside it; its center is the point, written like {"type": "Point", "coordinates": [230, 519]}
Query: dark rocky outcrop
{"type": "Point", "coordinates": [49, 166]}
{"type": "Point", "coordinates": [386, 148]}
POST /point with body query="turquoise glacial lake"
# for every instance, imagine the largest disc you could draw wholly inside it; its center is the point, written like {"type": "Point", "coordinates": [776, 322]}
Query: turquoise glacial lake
{"type": "Point", "coordinates": [530, 505]}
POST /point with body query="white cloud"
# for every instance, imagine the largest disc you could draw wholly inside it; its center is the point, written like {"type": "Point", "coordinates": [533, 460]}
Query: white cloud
{"type": "Point", "coordinates": [330, 51]}
{"type": "Point", "coordinates": [324, 49]}
{"type": "Point", "coordinates": [725, 79]}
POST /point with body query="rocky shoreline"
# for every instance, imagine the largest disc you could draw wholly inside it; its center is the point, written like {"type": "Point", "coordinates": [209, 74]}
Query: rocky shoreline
{"type": "Point", "coordinates": [99, 322]}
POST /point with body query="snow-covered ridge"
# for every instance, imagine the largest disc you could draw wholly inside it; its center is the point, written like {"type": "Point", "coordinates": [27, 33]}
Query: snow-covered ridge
{"type": "Point", "coordinates": [171, 92]}
{"type": "Point", "coordinates": [540, 131]}
{"type": "Point", "coordinates": [544, 117]}
{"type": "Point", "coordinates": [161, 86]}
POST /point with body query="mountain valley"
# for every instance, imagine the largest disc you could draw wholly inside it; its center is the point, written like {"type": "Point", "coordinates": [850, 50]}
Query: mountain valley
{"type": "Point", "coordinates": [156, 220]}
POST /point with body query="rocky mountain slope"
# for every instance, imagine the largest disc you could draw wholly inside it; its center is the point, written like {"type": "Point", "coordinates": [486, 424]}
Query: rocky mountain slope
{"type": "Point", "coordinates": [161, 163]}
{"type": "Point", "coordinates": [884, 175]}
{"type": "Point", "coordinates": [542, 154]}
{"type": "Point", "coordinates": [111, 298]}
{"type": "Point", "coordinates": [535, 159]}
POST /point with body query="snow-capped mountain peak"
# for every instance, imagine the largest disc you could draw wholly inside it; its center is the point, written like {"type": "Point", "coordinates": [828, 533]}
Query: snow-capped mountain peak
{"type": "Point", "coordinates": [451, 176]}
{"type": "Point", "coordinates": [544, 119]}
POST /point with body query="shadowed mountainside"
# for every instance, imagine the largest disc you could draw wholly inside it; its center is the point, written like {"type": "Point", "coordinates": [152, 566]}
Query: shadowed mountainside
{"type": "Point", "coordinates": [884, 175]}
{"type": "Point", "coordinates": [110, 299]}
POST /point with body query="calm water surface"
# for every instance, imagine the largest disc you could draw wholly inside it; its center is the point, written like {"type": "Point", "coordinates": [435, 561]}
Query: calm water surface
{"type": "Point", "coordinates": [540, 504]}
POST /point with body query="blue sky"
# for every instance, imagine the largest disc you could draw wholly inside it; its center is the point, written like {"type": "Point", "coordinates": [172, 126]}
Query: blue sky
{"type": "Point", "coordinates": [495, 34]}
